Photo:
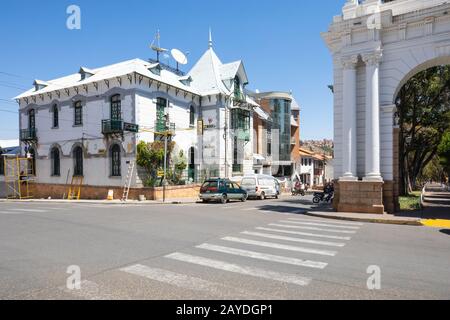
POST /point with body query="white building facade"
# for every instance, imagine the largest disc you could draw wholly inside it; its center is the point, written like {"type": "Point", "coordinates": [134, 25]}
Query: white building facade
{"type": "Point", "coordinates": [90, 123]}
{"type": "Point", "coordinates": [377, 46]}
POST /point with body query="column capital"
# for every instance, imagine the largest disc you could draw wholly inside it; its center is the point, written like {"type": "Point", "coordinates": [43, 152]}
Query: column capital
{"type": "Point", "coordinates": [349, 62]}
{"type": "Point", "coordinates": [372, 58]}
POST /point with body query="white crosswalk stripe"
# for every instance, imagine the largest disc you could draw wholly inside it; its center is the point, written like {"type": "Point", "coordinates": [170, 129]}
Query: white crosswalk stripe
{"type": "Point", "coordinates": [245, 270]}
{"type": "Point", "coordinates": [280, 246]}
{"type": "Point", "coordinates": [175, 279]}
{"type": "Point", "coordinates": [307, 234]}
{"type": "Point", "coordinates": [320, 224]}
{"type": "Point", "coordinates": [277, 237]}
{"type": "Point", "coordinates": [328, 221]}
{"type": "Point", "coordinates": [263, 256]}
{"type": "Point", "coordinates": [311, 228]}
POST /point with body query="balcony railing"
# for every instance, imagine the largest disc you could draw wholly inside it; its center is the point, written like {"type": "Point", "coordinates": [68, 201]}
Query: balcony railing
{"type": "Point", "coordinates": [118, 127]}
{"type": "Point", "coordinates": [28, 134]}
{"type": "Point", "coordinates": [161, 127]}
{"type": "Point", "coordinates": [112, 126]}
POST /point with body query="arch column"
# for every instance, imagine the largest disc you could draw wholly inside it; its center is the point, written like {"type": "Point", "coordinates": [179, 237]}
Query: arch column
{"type": "Point", "coordinates": [349, 118]}
{"type": "Point", "coordinates": [372, 143]}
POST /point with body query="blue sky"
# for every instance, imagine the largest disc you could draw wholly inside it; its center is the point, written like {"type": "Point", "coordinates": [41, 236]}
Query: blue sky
{"type": "Point", "coordinates": [279, 42]}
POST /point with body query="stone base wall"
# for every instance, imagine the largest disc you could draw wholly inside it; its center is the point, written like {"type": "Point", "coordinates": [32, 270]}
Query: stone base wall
{"type": "Point", "coordinates": [58, 191]}
{"type": "Point", "coordinates": [360, 197]}
{"type": "Point", "coordinates": [391, 197]}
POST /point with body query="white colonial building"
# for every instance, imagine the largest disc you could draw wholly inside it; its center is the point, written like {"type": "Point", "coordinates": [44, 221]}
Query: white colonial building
{"type": "Point", "coordinates": [377, 46]}
{"type": "Point", "coordinates": [89, 123]}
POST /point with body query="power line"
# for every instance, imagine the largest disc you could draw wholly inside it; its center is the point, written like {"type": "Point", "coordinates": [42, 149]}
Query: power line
{"type": "Point", "coordinates": [9, 74]}
{"type": "Point", "coordinates": [9, 101]}
{"type": "Point", "coordinates": [13, 87]}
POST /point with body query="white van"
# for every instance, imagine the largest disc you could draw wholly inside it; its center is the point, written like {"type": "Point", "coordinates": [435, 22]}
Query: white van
{"type": "Point", "coordinates": [261, 186]}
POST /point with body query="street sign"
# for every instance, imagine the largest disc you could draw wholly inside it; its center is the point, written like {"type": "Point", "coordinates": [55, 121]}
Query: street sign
{"type": "Point", "coordinates": [130, 127]}
{"type": "Point", "coordinates": [160, 173]}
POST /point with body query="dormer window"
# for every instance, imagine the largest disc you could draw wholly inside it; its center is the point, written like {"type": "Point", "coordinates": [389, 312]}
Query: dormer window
{"type": "Point", "coordinates": [186, 80]}
{"type": "Point", "coordinates": [85, 73]}
{"type": "Point", "coordinates": [155, 69]}
{"type": "Point", "coordinates": [39, 85]}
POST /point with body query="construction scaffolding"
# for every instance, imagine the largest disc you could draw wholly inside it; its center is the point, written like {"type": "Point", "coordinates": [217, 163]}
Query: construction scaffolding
{"type": "Point", "coordinates": [19, 175]}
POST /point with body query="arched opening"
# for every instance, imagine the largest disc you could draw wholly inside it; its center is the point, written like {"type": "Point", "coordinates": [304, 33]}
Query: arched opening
{"type": "Point", "coordinates": [78, 161]}
{"type": "Point", "coordinates": [116, 161]}
{"type": "Point", "coordinates": [56, 162]}
{"type": "Point", "coordinates": [422, 120]}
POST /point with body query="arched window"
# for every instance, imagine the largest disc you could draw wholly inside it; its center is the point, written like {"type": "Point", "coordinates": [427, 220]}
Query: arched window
{"type": "Point", "coordinates": [78, 161]}
{"type": "Point", "coordinates": [116, 161]}
{"type": "Point", "coordinates": [161, 105]}
{"type": "Point", "coordinates": [191, 169]}
{"type": "Point", "coordinates": [192, 116]}
{"type": "Point", "coordinates": [237, 87]}
{"type": "Point", "coordinates": [31, 119]}
{"type": "Point", "coordinates": [56, 162]}
{"type": "Point", "coordinates": [32, 162]}
{"type": "Point", "coordinates": [55, 116]}
{"type": "Point", "coordinates": [116, 108]}
{"type": "Point", "coordinates": [78, 118]}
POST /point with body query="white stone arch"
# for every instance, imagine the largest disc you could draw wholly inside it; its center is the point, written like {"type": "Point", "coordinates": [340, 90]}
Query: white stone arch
{"type": "Point", "coordinates": [438, 61]}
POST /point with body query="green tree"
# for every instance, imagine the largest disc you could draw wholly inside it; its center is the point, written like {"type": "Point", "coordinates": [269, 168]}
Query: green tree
{"type": "Point", "coordinates": [150, 156]}
{"type": "Point", "coordinates": [444, 152]}
{"type": "Point", "coordinates": [423, 111]}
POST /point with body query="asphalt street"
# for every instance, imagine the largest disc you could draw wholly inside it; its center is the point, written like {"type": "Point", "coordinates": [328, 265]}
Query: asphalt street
{"type": "Point", "coordinates": [254, 250]}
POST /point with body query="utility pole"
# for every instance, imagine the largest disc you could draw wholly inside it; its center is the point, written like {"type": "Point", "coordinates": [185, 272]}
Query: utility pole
{"type": "Point", "coordinates": [166, 137]}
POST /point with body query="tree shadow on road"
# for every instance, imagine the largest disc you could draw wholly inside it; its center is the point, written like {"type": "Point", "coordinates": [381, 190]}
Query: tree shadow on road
{"type": "Point", "coordinates": [306, 206]}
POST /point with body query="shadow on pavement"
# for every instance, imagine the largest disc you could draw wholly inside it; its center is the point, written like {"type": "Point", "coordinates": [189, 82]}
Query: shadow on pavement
{"type": "Point", "coordinates": [446, 231]}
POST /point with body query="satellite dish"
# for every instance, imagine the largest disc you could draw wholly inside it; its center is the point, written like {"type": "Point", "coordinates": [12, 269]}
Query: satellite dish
{"type": "Point", "coordinates": [179, 56]}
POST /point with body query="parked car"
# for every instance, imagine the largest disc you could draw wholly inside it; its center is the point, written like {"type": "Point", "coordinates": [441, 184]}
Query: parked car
{"type": "Point", "coordinates": [261, 186]}
{"type": "Point", "coordinates": [222, 190]}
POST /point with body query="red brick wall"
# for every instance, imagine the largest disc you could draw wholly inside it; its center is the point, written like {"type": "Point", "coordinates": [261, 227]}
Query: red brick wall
{"type": "Point", "coordinates": [57, 191]}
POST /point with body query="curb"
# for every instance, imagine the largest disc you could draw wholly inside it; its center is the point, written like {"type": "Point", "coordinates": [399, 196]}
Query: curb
{"type": "Point", "coordinates": [100, 203]}
{"type": "Point", "coordinates": [368, 220]}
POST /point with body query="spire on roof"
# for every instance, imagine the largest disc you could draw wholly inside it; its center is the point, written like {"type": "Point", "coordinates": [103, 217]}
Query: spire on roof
{"type": "Point", "coordinates": [210, 43]}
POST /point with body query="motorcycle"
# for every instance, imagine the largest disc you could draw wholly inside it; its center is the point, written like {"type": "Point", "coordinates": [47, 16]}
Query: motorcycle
{"type": "Point", "coordinates": [298, 192]}
{"type": "Point", "coordinates": [322, 196]}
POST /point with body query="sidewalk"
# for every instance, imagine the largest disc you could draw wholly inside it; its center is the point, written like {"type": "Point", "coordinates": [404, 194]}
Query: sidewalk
{"type": "Point", "coordinates": [370, 218]}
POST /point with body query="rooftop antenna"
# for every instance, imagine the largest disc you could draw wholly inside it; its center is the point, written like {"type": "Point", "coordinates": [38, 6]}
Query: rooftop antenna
{"type": "Point", "coordinates": [210, 43]}
{"type": "Point", "coordinates": [156, 46]}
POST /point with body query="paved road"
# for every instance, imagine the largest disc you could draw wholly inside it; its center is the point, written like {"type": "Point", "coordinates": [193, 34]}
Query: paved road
{"type": "Point", "coordinates": [253, 250]}
{"type": "Point", "coordinates": [436, 202]}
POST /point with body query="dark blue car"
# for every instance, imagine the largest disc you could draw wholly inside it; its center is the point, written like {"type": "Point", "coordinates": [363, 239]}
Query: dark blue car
{"type": "Point", "coordinates": [222, 190]}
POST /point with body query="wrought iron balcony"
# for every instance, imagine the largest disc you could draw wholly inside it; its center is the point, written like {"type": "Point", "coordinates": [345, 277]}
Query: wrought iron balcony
{"type": "Point", "coordinates": [161, 127]}
{"type": "Point", "coordinates": [118, 127]}
{"type": "Point", "coordinates": [112, 126]}
{"type": "Point", "coordinates": [28, 135]}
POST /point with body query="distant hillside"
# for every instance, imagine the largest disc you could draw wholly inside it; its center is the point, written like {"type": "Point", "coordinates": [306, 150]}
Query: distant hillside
{"type": "Point", "coordinates": [319, 146]}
